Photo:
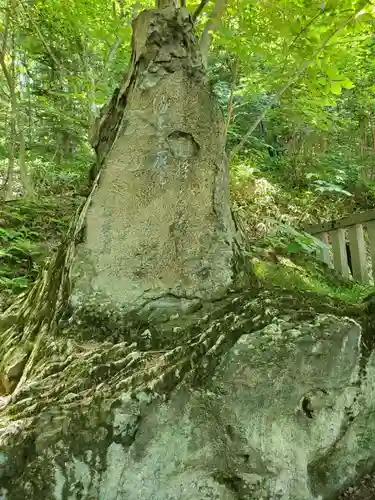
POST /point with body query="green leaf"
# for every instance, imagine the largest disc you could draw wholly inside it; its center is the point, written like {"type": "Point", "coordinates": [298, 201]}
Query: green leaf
{"type": "Point", "coordinates": [294, 247]}
{"type": "Point", "coordinates": [347, 84]}
{"type": "Point", "coordinates": [336, 88]}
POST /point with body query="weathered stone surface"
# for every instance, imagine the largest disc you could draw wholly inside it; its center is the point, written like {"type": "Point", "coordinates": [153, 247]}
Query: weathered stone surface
{"type": "Point", "coordinates": [160, 223]}
{"type": "Point", "coordinates": [285, 402]}
{"type": "Point", "coordinates": [353, 454]}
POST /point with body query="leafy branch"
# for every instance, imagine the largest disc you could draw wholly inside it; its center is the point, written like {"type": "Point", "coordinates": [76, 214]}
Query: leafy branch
{"type": "Point", "coordinates": [290, 82]}
{"type": "Point", "coordinates": [198, 10]}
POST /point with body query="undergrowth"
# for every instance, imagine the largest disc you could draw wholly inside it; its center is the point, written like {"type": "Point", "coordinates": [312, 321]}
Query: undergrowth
{"type": "Point", "coordinates": [30, 230]}
{"type": "Point", "coordinates": [275, 219]}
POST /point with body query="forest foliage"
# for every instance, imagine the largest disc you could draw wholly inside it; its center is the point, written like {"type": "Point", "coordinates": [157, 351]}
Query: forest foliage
{"type": "Point", "coordinates": [295, 80]}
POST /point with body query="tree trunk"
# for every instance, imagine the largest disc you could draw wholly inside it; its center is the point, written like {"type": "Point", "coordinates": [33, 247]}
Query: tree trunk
{"type": "Point", "coordinates": [24, 174]}
{"type": "Point", "coordinates": [106, 366]}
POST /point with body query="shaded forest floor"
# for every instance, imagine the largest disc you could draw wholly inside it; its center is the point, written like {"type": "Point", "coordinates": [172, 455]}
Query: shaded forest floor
{"type": "Point", "coordinates": [30, 231]}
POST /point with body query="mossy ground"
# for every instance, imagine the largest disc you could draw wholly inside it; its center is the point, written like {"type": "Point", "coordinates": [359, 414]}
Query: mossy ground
{"type": "Point", "coordinates": [307, 274]}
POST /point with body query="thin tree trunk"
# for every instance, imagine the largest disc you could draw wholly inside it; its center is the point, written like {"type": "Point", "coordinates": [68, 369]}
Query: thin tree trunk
{"type": "Point", "coordinates": [12, 131]}
{"type": "Point", "coordinates": [206, 37]}
{"type": "Point", "coordinates": [24, 126]}
{"type": "Point", "coordinates": [372, 144]}
{"type": "Point", "coordinates": [231, 97]}
{"type": "Point", "coordinates": [25, 177]}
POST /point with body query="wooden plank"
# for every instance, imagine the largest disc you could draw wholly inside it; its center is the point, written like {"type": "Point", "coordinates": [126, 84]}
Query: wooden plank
{"type": "Point", "coordinates": [341, 223]}
{"type": "Point", "coordinates": [340, 261]}
{"type": "Point", "coordinates": [371, 237]}
{"type": "Point", "coordinates": [358, 252]}
{"type": "Point", "coordinates": [324, 254]}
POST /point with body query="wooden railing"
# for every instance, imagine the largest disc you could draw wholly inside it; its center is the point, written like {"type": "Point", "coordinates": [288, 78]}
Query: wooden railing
{"type": "Point", "coordinates": [350, 238]}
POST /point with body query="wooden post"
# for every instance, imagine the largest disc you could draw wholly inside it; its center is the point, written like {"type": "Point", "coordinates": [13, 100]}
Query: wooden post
{"type": "Point", "coordinates": [358, 252]}
{"type": "Point", "coordinates": [340, 260]}
{"type": "Point", "coordinates": [324, 253]}
{"type": "Point", "coordinates": [371, 237]}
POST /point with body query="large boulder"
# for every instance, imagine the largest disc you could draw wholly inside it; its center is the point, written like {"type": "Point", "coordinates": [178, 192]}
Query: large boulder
{"type": "Point", "coordinates": [250, 400]}
{"type": "Point", "coordinates": [159, 226]}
